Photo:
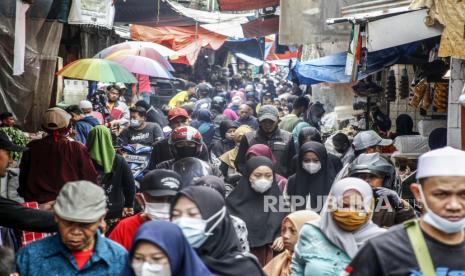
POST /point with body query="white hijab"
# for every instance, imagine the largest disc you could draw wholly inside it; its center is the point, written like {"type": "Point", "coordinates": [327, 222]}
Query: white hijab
{"type": "Point", "coordinates": [350, 242]}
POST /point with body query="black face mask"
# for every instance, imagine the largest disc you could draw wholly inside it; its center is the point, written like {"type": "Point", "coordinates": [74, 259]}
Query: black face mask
{"type": "Point", "coordinates": [184, 152]}
{"type": "Point", "coordinates": [341, 150]}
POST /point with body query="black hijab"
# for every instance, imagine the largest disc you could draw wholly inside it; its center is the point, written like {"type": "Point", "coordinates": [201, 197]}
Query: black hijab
{"type": "Point", "coordinates": [213, 182]}
{"type": "Point", "coordinates": [247, 204]}
{"type": "Point", "coordinates": [221, 252]}
{"type": "Point", "coordinates": [225, 126]}
{"type": "Point", "coordinates": [319, 184]}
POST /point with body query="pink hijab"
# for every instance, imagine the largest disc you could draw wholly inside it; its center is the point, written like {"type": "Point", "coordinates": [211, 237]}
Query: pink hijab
{"type": "Point", "coordinates": [260, 150]}
{"type": "Point", "coordinates": [230, 114]}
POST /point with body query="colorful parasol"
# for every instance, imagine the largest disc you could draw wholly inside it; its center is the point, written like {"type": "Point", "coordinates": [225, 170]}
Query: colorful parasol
{"type": "Point", "coordinates": [97, 70]}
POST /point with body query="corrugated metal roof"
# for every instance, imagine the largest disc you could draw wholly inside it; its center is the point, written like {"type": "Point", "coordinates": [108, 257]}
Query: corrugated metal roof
{"type": "Point", "coordinates": [371, 10]}
{"type": "Point", "coordinates": [374, 6]}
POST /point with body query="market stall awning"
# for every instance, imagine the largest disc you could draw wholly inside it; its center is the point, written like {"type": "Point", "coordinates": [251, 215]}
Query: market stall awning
{"type": "Point", "coordinates": [249, 59]}
{"type": "Point", "coordinates": [387, 28]}
{"type": "Point", "coordinates": [332, 68]}
{"type": "Point", "coordinates": [244, 5]}
{"type": "Point", "coordinates": [187, 41]}
{"type": "Point", "coordinates": [149, 12]}
{"type": "Point", "coordinates": [160, 13]}
{"type": "Point", "coordinates": [261, 27]}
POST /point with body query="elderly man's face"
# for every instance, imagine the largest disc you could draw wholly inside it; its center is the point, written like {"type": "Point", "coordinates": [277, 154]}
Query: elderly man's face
{"type": "Point", "coordinates": [245, 112]}
{"type": "Point", "coordinates": [77, 236]}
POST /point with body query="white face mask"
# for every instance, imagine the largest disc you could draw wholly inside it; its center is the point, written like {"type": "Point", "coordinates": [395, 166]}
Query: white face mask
{"type": "Point", "coordinates": [311, 167]}
{"type": "Point", "coordinates": [135, 123]}
{"type": "Point", "coordinates": [261, 185]}
{"type": "Point", "coordinates": [147, 269]}
{"type": "Point", "coordinates": [157, 211]}
{"type": "Point", "coordinates": [439, 222]}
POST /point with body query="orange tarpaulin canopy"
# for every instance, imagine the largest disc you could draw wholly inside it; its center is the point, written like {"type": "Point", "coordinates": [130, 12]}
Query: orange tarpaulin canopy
{"type": "Point", "coordinates": [187, 41]}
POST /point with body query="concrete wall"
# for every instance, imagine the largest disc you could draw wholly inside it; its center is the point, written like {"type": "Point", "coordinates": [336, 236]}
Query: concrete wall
{"type": "Point", "coordinates": [454, 137]}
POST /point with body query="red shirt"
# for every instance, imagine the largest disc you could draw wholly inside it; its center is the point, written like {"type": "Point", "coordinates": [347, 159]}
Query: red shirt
{"type": "Point", "coordinates": [125, 230]}
{"type": "Point", "coordinates": [48, 165]}
{"type": "Point", "coordinates": [144, 84]}
{"type": "Point", "coordinates": [81, 257]}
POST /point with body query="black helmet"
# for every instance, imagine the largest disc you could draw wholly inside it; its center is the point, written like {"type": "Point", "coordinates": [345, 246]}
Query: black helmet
{"type": "Point", "coordinates": [218, 103]}
{"type": "Point", "coordinates": [191, 169]}
{"type": "Point", "coordinates": [204, 90]}
{"type": "Point", "coordinates": [374, 163]}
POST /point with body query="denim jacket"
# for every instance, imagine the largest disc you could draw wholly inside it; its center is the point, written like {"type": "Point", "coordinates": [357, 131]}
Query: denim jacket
{"type": "Point", "coordinates": [50, 257]}
{"type": "Point", "coordinates": [315, 255]}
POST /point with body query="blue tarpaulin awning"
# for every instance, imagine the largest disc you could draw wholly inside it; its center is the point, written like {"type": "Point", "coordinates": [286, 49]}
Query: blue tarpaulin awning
{"type": "Point", "coordinates": [332, 68]}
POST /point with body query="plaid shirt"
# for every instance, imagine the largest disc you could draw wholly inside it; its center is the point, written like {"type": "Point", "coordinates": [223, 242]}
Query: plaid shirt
{"type": "Point", "coordinates": [28, 237]}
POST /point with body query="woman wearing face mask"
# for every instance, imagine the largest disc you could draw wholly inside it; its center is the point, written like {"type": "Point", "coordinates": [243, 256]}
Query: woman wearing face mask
{"type": "Point", "coordinates": [326, 246]}
{"type": "Point", "coordinates": [313, 178]}
{"type": "Point", "coordinates": [227, 129]}
{"type": "Point", "coordinates": [114, 174]}
{"type": "Point", "coordinates": [290, 228]}
{"type": "Point", "coordinates": [248, 202]}
{"type": "Point", "coordinates": [264, 150]}
{"type": "Point", "coordinates": [201, 214]}
{"type": "Point", "coordinates": [160, 248]}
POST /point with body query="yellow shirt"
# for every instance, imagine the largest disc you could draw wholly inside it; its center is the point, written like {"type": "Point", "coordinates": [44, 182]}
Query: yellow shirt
{"type": "Point", "coordinates": [179, 99]}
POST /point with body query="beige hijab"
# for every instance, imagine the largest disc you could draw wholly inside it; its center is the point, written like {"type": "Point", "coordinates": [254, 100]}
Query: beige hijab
{"type": "Point", "coordinates": [230, 156]}
{"type": "Point", "coordinates": [281, 264]}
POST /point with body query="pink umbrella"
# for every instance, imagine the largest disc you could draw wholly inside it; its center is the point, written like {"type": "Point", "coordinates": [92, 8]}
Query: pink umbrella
{"type": "Point", "coordinates": [143, 52]}
{"type": "Point", "coordinates": [143, 66]}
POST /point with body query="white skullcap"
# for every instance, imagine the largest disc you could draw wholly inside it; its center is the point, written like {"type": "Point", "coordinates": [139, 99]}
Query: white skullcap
{"type": "Point", "coordinates": [441, 162]}
{"type": "Point", "coordinates": [85, 104]}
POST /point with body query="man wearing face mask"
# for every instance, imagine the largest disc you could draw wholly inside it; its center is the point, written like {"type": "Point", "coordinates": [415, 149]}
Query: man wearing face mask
{"type": "Point", "coordinates": [279, 141]}
{"type": "Point", "coordinates": [315, 113]}
{"type": "Point", "coordinates": [369, 142]}
{"type": "Point", "coordinates": [433, 244]}
{"type": "Point", "coordinates": [157, 189]}
{"type": "Point", "coordinates": [140, 131]}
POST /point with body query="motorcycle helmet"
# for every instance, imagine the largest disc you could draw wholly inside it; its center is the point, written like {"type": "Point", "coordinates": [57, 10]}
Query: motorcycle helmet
{"type": "Point", "coordinates": [204, 90]}
{"type": "Point", "coordinates": [218, 103]}
{"type": "Point", "coordinates": [191, 169]}
{"type": "Point", "coordinates": [185, 134]}
{"type": "Point", "coordinates": [374, 163]}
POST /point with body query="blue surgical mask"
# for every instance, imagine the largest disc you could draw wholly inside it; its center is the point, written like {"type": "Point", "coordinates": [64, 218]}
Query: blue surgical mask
{"type": "Point", "coordinates": [439, 222]}
{"type": "Point", "coordinates": [194, 229]}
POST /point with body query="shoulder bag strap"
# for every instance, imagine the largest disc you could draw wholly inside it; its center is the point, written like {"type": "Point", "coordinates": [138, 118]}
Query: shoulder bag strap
{"type": "Point", "coordinates": [412, 227]}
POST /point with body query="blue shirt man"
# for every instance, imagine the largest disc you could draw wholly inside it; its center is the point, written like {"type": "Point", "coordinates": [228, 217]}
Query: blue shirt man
{"type": "Point", "coordinates": [79, 248]}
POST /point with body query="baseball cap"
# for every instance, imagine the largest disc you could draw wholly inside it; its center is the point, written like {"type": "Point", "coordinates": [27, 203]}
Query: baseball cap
{"type": "Point", "coordinates": [369, 138]}
{"type": "Point", "coordinates": [55, 118]}
{"type": "Point", "coordinates": [80, 201]}
{"type": "Point", "coordinates": [161, 183]}
{"type": "Point", "coordinates": [268, 112]}
{"type": "Point", "coordinates": [6, 144]}
{"type": "Point", "coordinates": [445, 161]}
{"type": "Point", "coordinates": [177, 112]}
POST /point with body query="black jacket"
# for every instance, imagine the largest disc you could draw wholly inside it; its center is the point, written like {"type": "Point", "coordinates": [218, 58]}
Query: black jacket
{"type": "Point", "coordinates": [14, 215]}
{"type": "Point", "coordinates": [280, 143]}
{"type": "Point", "coordinates": [119, 187]}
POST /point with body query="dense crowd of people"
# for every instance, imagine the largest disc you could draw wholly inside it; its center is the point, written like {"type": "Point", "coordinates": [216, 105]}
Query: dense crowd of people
{"type": "Point", "coordinates": [227, 180]}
